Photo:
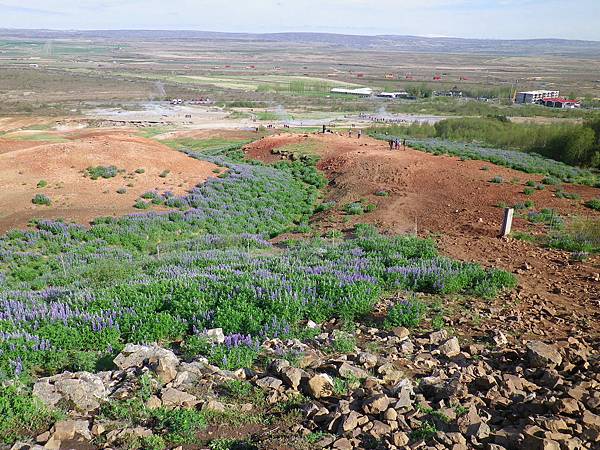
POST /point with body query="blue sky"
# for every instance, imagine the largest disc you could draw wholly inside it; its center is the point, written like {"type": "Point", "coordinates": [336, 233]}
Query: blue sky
{"type": "Point", "coordinates": [573, 19]}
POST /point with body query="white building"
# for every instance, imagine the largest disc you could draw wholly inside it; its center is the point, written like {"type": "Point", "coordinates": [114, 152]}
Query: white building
{"type": "Point", "coordinates": [401, 94]}
{"type": "Point", "coordinates": [535, 96]}
{"type": "Point", "coordinates": [361, 92]}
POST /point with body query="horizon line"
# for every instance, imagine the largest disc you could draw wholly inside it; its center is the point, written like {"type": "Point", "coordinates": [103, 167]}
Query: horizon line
{"type": "Point", "coordinates": [84, 30]}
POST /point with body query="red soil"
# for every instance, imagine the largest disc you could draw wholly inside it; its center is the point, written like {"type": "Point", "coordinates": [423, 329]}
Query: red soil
{"type": "Point", "coordinates": [80, 199]}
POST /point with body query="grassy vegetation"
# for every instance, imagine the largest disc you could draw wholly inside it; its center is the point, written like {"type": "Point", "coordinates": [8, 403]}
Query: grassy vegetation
{"type": "Point", "coordinates": [575, 144]}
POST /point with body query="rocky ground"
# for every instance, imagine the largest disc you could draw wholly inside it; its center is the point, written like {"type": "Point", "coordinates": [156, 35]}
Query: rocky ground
{"type": "Point", "coordinates": [392, 389]}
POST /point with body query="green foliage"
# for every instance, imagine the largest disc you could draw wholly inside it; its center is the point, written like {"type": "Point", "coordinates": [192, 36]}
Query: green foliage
{"type": "Point", "coordinates": [42, 184]}
{"type": "Point", "coordinates": [567, 195]}
{"type": "Point", "coordinates": [579, 235]}
{"type": "Point", "coordinates": [140, 171]}
{"type": "Point", "coordinates": [593, 204]}
{"type": "Point", "coordinates": [407, 313]}
{"type": "Point", "coordinates": [497, 179]}
{"type": "Point", "coordinates": [140, 204]}
{"type": "Point", "coordinates": [570, 143]}
{"type": "Point", "coordinates": [41, 199]}
{"type": "Point", "coordinates": [343, 342]}
{"type": "Point", "coordinates": [528, 191]}
{"type": "Point", "coordinates": [426, 431]}
{"type": "Point", "coordinates": [96, 172]}
{"type": "Point", "coordinates": [21, 414]}
{"type": "Point", "coordinates": [164, 174]}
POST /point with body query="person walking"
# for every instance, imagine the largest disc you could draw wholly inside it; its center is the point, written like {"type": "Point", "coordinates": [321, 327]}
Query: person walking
{"type": "Point", "coordinates": [404, 144]}
{"type": "Point", "coordinates": [391, 142]}
{"type": "Point", "coordinates": [359, 133]}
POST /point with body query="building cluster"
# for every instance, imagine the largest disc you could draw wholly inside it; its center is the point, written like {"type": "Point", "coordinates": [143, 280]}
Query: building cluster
{"type": "Point", "coordinates": [551, 99]}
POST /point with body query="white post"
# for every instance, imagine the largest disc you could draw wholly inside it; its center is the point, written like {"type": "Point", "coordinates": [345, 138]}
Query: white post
{"type": "Point", "coordinates": [507, 222]}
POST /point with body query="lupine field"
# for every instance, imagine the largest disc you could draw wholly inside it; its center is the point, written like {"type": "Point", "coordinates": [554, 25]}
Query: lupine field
{"type": "Point", "coordinates": [72, 296]}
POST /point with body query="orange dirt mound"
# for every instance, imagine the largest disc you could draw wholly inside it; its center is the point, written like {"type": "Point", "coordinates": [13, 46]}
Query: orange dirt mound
{"type": "Point", "coordinates": [79, 198]}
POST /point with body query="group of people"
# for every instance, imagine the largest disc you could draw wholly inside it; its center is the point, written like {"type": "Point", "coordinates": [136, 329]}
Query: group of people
{"type": "Point", "coordinates": [395, 144]}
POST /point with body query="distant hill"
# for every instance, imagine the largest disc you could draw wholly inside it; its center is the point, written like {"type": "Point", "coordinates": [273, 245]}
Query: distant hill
{"type": "Point", "coordinates": [415, 44]}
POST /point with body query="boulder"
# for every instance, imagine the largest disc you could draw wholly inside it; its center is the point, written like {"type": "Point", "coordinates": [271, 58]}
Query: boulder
{"type": "Point", "coordinates": [320, 385]}
{"type": "Point", "coordinates": [174, 398]}
{"type": "Point", "coordinates": [350, 422]}
{"type": "Point", "coordinates": [450, 348]}
{"type": "Point", "coordinates": [269, 383]}
{"type": "Point", "coordinates": [376, 404]}
{"type": "Point", "coordinates": [83, 391]}
{"type": "Point", "coordinates": [542, 355]}
{"type": "Point", "coordinates": [349, 371]}
{"type": "Point", "coordinates": [292, 376]}
{"type": "Point", "coordinates": [78, 430]}
{"type": "Point", "coordinates": [162, 361]}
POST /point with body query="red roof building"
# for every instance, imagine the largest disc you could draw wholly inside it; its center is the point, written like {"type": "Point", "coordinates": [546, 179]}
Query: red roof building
{"type": "Point", "coordinates": [560, 103]}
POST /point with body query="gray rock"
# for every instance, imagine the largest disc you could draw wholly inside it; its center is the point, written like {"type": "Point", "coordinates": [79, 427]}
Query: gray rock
{"type": "Point", "coordinates": [320, 385]}
{"type": "Point", "coordinates": [25, 446]}
{"type": "Point", "coordinates": [215, 335]}
{"type": "Point", "coordinates": [269, 383]}
{"type": "Point", "coordinates": [162, 361]}
{"type": "Point", "coordinates": [450, 348]}
{"type": "Point", "coordinates": [349, 371]}
{"type": "Point", "coordinates": [82, 390]}
{"type": "Point", "coordinates": [542, 355]}
{"type": "Point", "coordinates": [174, 398]}
{"type": "Point", "coordinates": [292, 376]}
{"type": "Point", "coordinates": [368, 360]}
{"type": "Point", "coordinates": [376, 404]}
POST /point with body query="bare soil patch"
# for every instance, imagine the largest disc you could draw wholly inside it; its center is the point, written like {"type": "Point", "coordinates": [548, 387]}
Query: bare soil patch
{"type": "Point", "coordinates": [78, 198]}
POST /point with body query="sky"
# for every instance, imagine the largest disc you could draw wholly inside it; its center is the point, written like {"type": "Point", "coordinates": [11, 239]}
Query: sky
{"type": "Point", "coordinates": [496, 19]}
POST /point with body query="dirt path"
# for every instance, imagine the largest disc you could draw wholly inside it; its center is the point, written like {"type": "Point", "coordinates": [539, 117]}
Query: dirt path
{"type": "Point", "coordinates": [455, 202]}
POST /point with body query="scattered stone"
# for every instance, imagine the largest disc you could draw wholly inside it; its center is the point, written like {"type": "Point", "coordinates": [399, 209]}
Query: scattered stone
{"type": "Point", "coordinates": [174, 398]}
{"type": "Point", "coordinates": [82, 391]}
{"type": "Point", "coordinates": [542, 355]}
{"type": "Point", "coordinates": [320, 385]}
{"type": "Point", "coordinates": [450, 348]}
{"type": "Point", "coordinates": [269, 383]}
{"type": "Point", "coordinates": [376, 404]}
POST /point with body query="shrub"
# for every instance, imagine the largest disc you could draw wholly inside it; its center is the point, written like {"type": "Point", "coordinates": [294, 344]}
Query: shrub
{"type": "Point", "coordinates": [497, 179]}
{"type": "Point", "coordinates": [407, 313]}
{"type": "Point", "coordinates": [164, 173]}
{"type": "Point", "coordinates": [140, 204]}
{"type": "Point", "coordinates": [102, 172]}
{"type": "Point", "coordinates": [41, 199]}
{"type": "Point", "coordinates": [530, 183]}
{"type": "Point", "coordinates": [593, 204]}
{"type": "Point", "coordinates": [42, 184]}
{"type": "Point", "coordinates": [559, 193]}
{"type": "Point", "coordinates": [140, 171]}
{"type": "Point", "coordinates": [122, 191]}
{"type": "Point", "coordinates": [528, 191]}
{"type": "Point", "coordinates": [382, 193]}
{"type": "Point", "coordinates": [21, 414]}
{"type": "Point", "coordinates": [355, 208]}
{"type": "Point", "coordinates": [549, 180]}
